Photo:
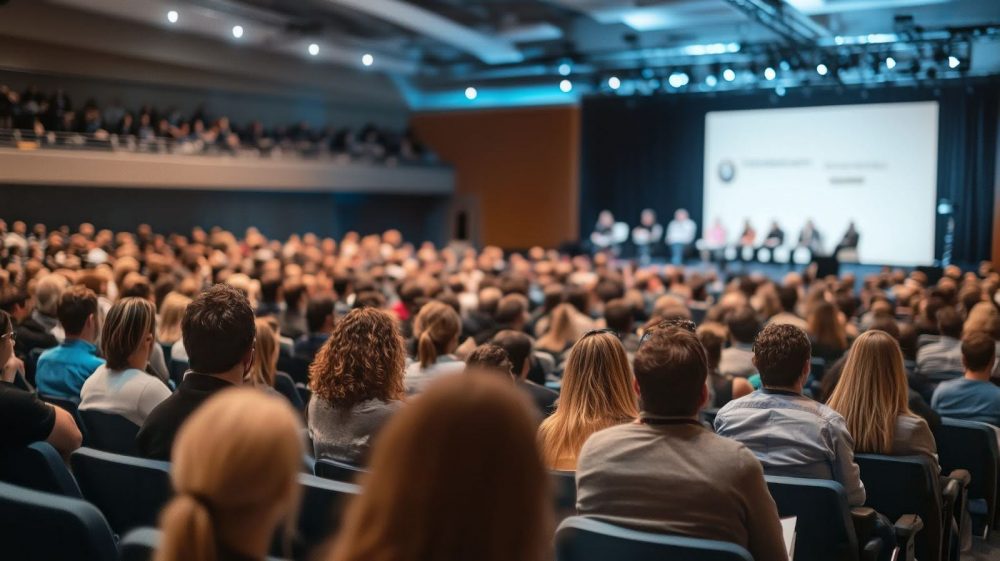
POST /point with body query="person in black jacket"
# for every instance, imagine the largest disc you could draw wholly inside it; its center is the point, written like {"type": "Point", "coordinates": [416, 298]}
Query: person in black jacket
{"type": "Point", "coordinates": [518, 347]}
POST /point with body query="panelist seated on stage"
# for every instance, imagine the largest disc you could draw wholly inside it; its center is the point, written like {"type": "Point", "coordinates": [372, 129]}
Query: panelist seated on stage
{"type": "Point", "coordinates": [849, 243]}
{"type": "Point", "coordinates": [608, 235]}
{"type": "Point", "coordinates": [647, 233]}
{"type": "Point", "coordinates": [748, 237]}
{"type": "Point", "coordinates": [809, 238]}
{"type": "Point", "coordinates": [775, 236]}
{"type": "Point", "coordinates": [680, 234]}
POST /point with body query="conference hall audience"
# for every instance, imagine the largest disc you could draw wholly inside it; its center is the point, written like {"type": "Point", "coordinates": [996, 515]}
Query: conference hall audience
{"type": "Point", "coordinates": [483, 490]}
{"type": "Point", "coordinates": [121, 386]}
{"type": "Point", "coordinates": [665, 472]}
{"type": "Point", "coordinates": [357, 385]}
{"type": "Point", "coordinates": [790, 433]}
{"type": "Point", "coordinates": [517, 345]}
{"type": "Point", "coordinates": [218, 334]}
{"type": "Point", "coordinates": [25, 418]}
{"type": "Point", "coordinates": [62, 370]}
{"type": "Point", "coordinates": [597, 392]}
{"type": "Point", "coordinates": [234, 469]}
{"type": "Point", "coordinates": [972, 397]}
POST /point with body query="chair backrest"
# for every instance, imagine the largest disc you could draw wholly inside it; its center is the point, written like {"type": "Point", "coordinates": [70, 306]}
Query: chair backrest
{"type": "Point", "coordinates": [31, 364]}
{"type": "Point", "coordinates": [584, 539]}
{"type": "Point", "coordinates": [284, 385]}
{"type": "Point", "coordinates": [905, 485]}
{"type": "Point", "coordinates": [305, 394]}
{"type": "Point", "coordinates": [296, 367]}
{"type": "Point", "coordinates": [38, 466]}
{"type": "Point", "coordinates": [323, 503]}
{"type": "Point", "coordinates": [972, 446]}
{"type": "Point", "coordinates": [129, 491]}
{"type": "Point", "coordinates": [564, 485]}
{"type": "Point", "coordinates": [337, 471]}
{"type": "Point", "coordinates": [71, 406]}
{"type": "Point", "coordinates": [177, 370]}
{"type": "Point", "coordinates": [43, 526]}
{"type": "Point", "coordinates": [824, 530]}
{"type": "Point", "coordinates": [110, 432]}
{"type": "Point", "coordinates": [140, 545]}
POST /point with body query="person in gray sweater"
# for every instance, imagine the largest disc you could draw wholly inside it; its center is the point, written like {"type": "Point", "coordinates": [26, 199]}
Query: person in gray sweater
{"type": "Point", "coordinates": [666, 472]}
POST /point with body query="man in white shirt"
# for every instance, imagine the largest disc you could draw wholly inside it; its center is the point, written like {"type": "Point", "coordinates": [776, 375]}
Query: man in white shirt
{"type": "Point", "coordinates": [680, 234]}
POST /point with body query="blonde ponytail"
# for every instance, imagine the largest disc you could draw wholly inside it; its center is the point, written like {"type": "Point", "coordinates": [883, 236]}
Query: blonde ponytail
{"type": "Point", "coordinates": [186, 524]}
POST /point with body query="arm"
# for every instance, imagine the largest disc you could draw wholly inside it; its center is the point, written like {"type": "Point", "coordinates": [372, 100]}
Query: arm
{"type": "Point", "coordinates": [765, 539]}
{"type": "Point", "coordinates": [65, 436]}
{"type": "Point", "coordinates": [845, 470]}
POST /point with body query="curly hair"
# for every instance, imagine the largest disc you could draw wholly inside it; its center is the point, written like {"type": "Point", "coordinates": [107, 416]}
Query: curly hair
{"type": "Point", "coordinates": [363, 359]}
{"type": "Point", "coordinates": [780, 353]}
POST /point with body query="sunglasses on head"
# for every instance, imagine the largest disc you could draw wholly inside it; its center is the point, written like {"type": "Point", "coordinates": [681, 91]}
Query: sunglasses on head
{"type": "Point", "coordinates": [677, 323]}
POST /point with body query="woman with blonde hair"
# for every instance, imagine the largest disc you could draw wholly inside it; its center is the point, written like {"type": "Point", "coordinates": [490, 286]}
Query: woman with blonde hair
{"type": "Point", "coordinates": [357, 384]}
{"type": "Point", "coordinates": [168, 331]}
{"type": "Point", "coordinates": [826, 331]}
{"type": "Point", "coordinates": [872, 397]}
{"type": "Point", "coordinates": [454, 477]}
{"type": "Point", "coordinates": [265, 364]}
{"type": "Point", "coordinates": [436, 330]}
{"type": "Point", "coordinates": [121, 385]}
{"type": "Point", "coordinates": [232, 493]}
{"type": "Point", "coordinates": [597, 393]}
{"type": "Point", "coordinates": [562, 332]}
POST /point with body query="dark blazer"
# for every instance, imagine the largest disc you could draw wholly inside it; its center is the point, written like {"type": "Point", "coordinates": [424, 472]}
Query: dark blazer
{"type": "Point", "coordinates": [156, 437]}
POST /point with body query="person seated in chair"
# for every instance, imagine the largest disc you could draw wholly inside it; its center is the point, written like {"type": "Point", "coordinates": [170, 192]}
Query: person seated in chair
{"type": "Point", "coordinates": [737, 359]}
{"type": "Point", "coordinates": [319, 318]}
{"type": "Point", "coordinates": [518, 348]}
{"type": "Point", "coordinates": [62, 370]}
{"type": "Point", "coordinates": [944, 354]}
{"type": "Point", "coordinates": [30, 334]}
{"type": "Point", "coordinates": [638, 474]}
{"type": "Point", "coordinates": [789, 433]}
{"type": "Point", "coordinates": [972, 397]}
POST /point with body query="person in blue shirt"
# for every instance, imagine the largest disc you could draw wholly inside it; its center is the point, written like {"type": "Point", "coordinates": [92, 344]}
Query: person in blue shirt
{"type": "Point", "coordinates": [972, 397]}
{"type": "Point", "coordinates": [62, 370]}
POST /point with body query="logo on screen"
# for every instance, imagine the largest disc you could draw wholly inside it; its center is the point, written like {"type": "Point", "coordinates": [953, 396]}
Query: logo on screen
{"type": "Point", "coordinates": [727, 171]}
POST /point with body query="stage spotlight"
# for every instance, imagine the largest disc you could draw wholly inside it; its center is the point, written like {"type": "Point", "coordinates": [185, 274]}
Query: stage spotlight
{"type": "Point", "coordinates": [711, 80]}
{"type": "Point", "coordinates": [769, 73]}
{"type": "Point", "coordinates": [237, 31]}
{"type": "Point", "coordinates": [471, 93]}
{"type": "Point", "coordinates": [780, 90]}
{"type": "Point", "coordinates": [614, 82]}
{"type": "Point", "coordinates": [173, 16]}
{"type": "Point", "coordinates": [678, 80]}
{"type": "Point", "coordinates": [647, 73]}
{"type": "Point", "coordinates": [728, 75]}
{"type": "Point", "coordinates": [953, 62]}
{"type": "Point", "coordinates": [565, 69]}
{"type": "Point", "coordinates": [313, 49]}
{"type": "Point", "coordinates": [821, 69]}
{"type": "Point", "coordinates": [566, 86]}
{"type": "Point", "coordinates": [367, 59]}
{"type": "Point", "coordinates": [890, 62]}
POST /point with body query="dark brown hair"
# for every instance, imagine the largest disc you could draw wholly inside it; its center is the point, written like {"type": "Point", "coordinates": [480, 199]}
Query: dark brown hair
{"type": "Point", "coordinates": [218, 329]}
{"type": "Point", "coordinates": [490, 357]}
{"type": "Point", "coordinates": [978, 351]}
{"type": "Point", "coordinates": [780, 353]}
{"type": "Point", "coordinates": [670, 368]}
{"type": "Point", "coordinates": [76, 304]}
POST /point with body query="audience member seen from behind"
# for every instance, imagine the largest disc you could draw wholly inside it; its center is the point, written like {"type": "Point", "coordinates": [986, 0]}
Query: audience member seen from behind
{"type": "Point", "coordinates": [491, 359]}
{"type": "Point", "coordinates": [723, 389]}
{"type": "Point", "coordinates": [168, 330]}
{"type": "Point", "coordinates": [235, 475]}
{"type": "Point", "coordinates": [826, 332]}
{"type": "Point", "coordinates": [218, 334]}
{"type": "Point", "coordinates": [597, 393]}
{"type": "Point", "coordinates": [436, 329]}
{"type": "Point", "coordinates": [737, 359]}
{"type": "Point", "coordinates": [26, 418]}
{"type": "Point", "coordinates": [872, 396]}
{"type": "Point", "coordinates": [357, 384]}
{"type": "Point", "coordinates": [972, 397]}
{"type": "Point", "coordinates": [62, 370]}
{"type": "Point", "coordinates": [518, 347]}
{"type": "Point", "coordinates": [944, 355]}
{"type": "Point", "coordinates": [639, 474]}
{"type": "Point", "coordinates": [483, 492]}
{"type": "Point", "coordinates": [122, 386]}
{"type": "Point", "coordinates": [319, 318]}
{"type": "Point", "coordinates": [789, 433]}
{"type": "Point", "coordinates": [30, 334]}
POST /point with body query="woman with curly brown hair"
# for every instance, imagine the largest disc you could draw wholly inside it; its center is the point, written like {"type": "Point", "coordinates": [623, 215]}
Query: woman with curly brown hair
{"type": "Point", "coordinates": [357, 384]}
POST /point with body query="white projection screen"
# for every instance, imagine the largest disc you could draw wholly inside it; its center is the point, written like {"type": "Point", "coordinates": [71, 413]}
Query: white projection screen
{"type": "Point", "coordinates": [875, 164]}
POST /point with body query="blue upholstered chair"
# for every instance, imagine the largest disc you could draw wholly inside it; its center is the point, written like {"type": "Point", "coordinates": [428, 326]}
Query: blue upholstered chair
{"type": "Point", "coordinates": [583, 539]}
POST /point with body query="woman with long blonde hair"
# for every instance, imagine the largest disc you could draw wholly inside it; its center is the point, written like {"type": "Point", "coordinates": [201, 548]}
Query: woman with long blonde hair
{"type": "Point", "coordinates": [232, 493]}
{"type": "Point", "coordinates": [597, 393]}
{"type": "Point", "coordinates": [454, 477]}
{"type": "Point", "coordinates": [872, 397]}
{"type": "Point", "coordinates": [436, 329]}
{"type": "Point", "coordinates": [562, 332]}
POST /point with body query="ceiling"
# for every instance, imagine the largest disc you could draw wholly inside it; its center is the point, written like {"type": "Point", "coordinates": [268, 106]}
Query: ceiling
{"type": "Point", "coordinates": [520, 50]}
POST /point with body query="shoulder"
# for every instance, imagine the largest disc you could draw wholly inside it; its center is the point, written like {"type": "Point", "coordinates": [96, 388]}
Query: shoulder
{"type": "Point", "coordinates": [610, 436]}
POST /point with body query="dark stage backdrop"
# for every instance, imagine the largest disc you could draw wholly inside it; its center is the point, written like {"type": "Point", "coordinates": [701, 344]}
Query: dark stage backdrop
{"type": "Point", "coordinates": [277, 214]}
{"type": "Point", "coordinates": [639, 152]}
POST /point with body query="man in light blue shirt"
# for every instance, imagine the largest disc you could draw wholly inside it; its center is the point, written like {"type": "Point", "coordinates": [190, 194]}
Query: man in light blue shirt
{"type": "Point", "coordinates": [62, 370]}
{"type": "Point", "coordinates": [972, 397]}
{"type": "Point", "coordinates": [789, 433]}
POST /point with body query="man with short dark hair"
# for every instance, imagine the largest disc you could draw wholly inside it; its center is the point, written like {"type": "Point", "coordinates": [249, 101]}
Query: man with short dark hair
{"type": "Point", "coordinates": [293, 320]}
{"type": "Point", "coordinates": [789, 433]}
{"type": "Point", "coordinates": [619, 316]}
{"type": "Point", "coordinates": [30, 334]}
{"type": "Point", "coordinates": [944, 354]}
{"type": "Point", "coordinates": [667, 473]}
{"type": "Point", "coordinates": [319, 318]}
{"type": "Point", "coordinates": [518, 347]}
{"type": "Point", "coordinates": [737, 359]}
{"type": "Point", "coordinates": [490, 358]}
{"type": "Point", "coordinates": [218, 332]}
{"type": "Point", "coordinates": [788, 296]}
{"type": "Point", "coordinates": [62, 370]}
{"type": "Point", "coordinates": [972, 397]}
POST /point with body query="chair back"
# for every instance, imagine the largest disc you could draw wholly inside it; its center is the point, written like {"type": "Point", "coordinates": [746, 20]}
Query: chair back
{"type": "Point", "coordinates": [43, 526]}
{"type": "Point", "coordinates": [972, 446]}
{"type": "Point", "coordinates": [110, 432]}
{"type": "Point", "coordinates": [564, 484]}
{"type": "Point", "coordinates": [72, 406]}
{"type": "Point", "coordinates": [898, 485]}
{"type": "Point", "coordinates": [323, 503]}
{"type": "Point", "coordinates": [177, 370]}
{"type": "Point", "coordinates": [824, 530]}
{"type": "Point", "coordinates": [141, 544]}
{"type": "Point", "coordinates": [129, 491]}
{"type": "Point", "coordinates": [31, 364]}
{"type": "Point", "coordinates": [38, 466]}
{"type": "Point", "coordinates": [284, 385]}
{"type": "Point", "coordinates": [338, 471]}
{"type": "Point", "coordinates": [585, 539]}
{"type": "Point", "coordinates": [296, 367]}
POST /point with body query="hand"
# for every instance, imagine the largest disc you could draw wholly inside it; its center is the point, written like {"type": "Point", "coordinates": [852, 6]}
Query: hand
{"type": "Point", "coordinates": [13, 366]}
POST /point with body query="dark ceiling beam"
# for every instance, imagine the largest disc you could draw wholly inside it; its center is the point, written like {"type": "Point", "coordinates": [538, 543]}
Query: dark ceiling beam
{"type": "Point", "coordinates": [783, 19]}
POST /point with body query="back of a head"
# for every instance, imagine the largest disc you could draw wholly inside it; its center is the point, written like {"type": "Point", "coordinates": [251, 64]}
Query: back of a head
{"type": "Point", "coordinates": [949, 322]}
{"type": "Point", "coordinates": [713, 338]}
{"type": "Point", "coordinates": [789, 298]}
{"type": "Point", "coordinates": [47, 292]}
{"type": "Point", "coordinates": [489, 299]}
{"type": "Point", "coordinates": [128, 321]}
{"type": "Point", "coordinates": [483, 491]}
{"type": "Point", "coordinates": [318, 310]}
{"type": "Point", "coordinates": [872, 391]}
{"type": "Point", "coordinates": [885, 322]}
{"type": "Point", "coordinates": [76, 304]}
{"type": "Point", "coordinates": [518, 347]}
{"type": "Point", "coordinates": [978, 352]}
{"type": "Point", "coordinates": [618, 315]}
{"type": "Point", "coordinates": [437, 328]}
{"type": "Point", "coordinates": [825, 327]}
{"type": "Point", "coordinates": [222, 483]}
{"type": "Point", "coordinates": [781, 353]}
{"type": "Point", "coordinates": [218, 329]}
{"type": "Point", "coordinates": [670, 369]}
{"type": "Point", "coordinates": [171, 315]}
{"type": "Point", "coordinates": [490, 358]}
{"type": "Point", "coordinates": [511, 309]}
{"type": "Point", "coordinates": [743, 324]}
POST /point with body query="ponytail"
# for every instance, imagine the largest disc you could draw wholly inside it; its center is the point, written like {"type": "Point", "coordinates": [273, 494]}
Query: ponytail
{"type": "Point", "coordinates": [426, 349]}
{"type": "Point", "coordinates": [187, 531]}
